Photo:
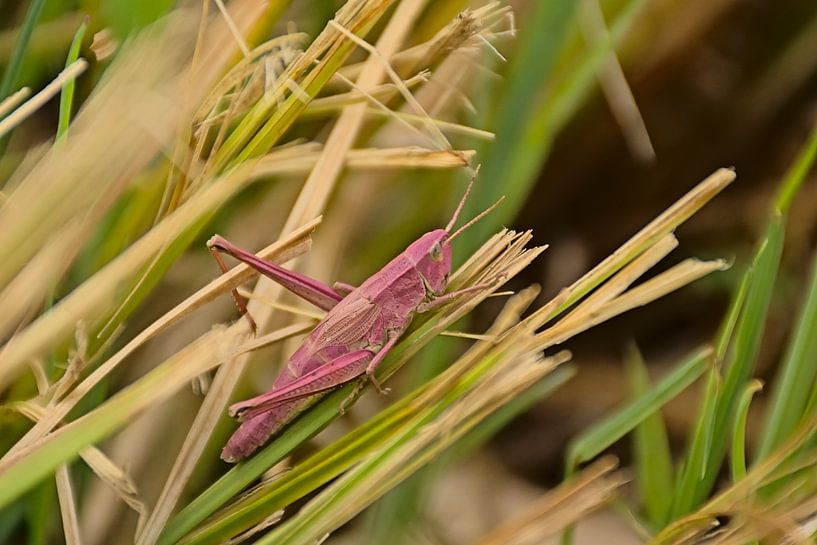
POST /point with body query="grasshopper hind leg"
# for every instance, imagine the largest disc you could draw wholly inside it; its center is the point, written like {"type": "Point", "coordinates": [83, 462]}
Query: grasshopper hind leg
{"type": "Point", "coordinates": [240, 302]}
{"type": "Point", "coordinates": [343, 288]}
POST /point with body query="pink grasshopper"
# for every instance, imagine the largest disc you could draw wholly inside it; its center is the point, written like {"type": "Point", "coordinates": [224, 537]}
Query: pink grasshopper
{"type": "Point", "coordinates": [360, 327]}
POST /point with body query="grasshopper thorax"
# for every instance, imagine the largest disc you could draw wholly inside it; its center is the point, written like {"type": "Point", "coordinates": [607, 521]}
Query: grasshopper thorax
{"type": "Point", "coordinates": [431, 256]}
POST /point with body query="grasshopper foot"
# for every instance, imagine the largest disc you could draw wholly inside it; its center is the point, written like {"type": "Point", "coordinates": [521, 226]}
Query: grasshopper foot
{"type": "Point", "coordinates": [251, 321]}
{"type": "Point", "coordinates": [346, 403]}
{"type": "Point", "coordinates": [376, 384]}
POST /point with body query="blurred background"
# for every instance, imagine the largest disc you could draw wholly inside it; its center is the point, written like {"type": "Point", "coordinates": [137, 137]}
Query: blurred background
{"type": "Point", "coordinates": [587, 156]}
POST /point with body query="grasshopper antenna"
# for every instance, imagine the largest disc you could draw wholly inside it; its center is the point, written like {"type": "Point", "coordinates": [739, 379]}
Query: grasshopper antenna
{"type": "Point", "coordinates": [462, 201]}
{"type": "Point", "coordinates": [477, 218]}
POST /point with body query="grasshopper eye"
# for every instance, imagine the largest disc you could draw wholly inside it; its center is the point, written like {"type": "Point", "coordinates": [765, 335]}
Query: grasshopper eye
{"type": "Point", "coordinates": [436, 252]}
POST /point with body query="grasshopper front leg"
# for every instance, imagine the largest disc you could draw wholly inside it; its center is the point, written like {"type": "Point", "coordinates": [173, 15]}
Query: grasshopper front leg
{"type": "Point", "coordinates": [438, 301]}
{"type": "Point", "coordinates": [372, 367]}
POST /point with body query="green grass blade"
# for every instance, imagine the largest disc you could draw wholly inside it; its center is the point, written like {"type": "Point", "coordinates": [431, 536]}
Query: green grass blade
{"type": "Point", "coordinates": [691, 470]}
{"type": "Point", "coordinates": [710, 439]}
{"type": "Point", "coordinates": [128, 16]}
{"type": "Point", "coordinates": [653, 459]}
{"type": "Point", "coordinates": [738, 460]}
{"type": "Point", "coordinates": [41, 504]}
{"type": "Point", "coordinates": [795, 378]}
{"type": "Point", "coordinates": [595, 440]}
{"type": "Point", "coordinates": [797, 175]}
{"type": "Point", "coordinates": [15, 64]}
{"type": "Point", "coordinates": [67, 95]}
{"type": "Point", "coordinates": [745, 343]}
{"type": "Point", "coordinates": [9, 520]}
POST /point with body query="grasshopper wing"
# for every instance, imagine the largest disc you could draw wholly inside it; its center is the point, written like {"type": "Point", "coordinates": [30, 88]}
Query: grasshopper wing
{"type": "Point", "coordinates": [348, 323]}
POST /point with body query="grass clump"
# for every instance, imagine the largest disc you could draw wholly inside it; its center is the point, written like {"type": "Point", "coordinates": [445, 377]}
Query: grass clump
{"type": "Point", "coordinates": [200, 121]}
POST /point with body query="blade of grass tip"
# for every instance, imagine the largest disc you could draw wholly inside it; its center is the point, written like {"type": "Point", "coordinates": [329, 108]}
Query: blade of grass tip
{"type": "Point", "coordinates": [738, 464]}
{"type": "Point", "coordinates": [15, 64]}
{"type": "Point", "coordinates": [797, 174]}
{"type": "Point", "coordinates": [747, 339]}
{"type": "Point", "coordinates": [653, 458]}
{"type": "Point", "coordinates": [662, 225]}
{"type": "Point", "coordinates": [601, 436]}
{"type": "Point", "coordinates": [668, 281]}
{"type": "Point", "coordinates": [67, 96]}
{"type": "Point", "coordinates": [709, 443]}
{"type": "Point", "coordinates": [33, 104]}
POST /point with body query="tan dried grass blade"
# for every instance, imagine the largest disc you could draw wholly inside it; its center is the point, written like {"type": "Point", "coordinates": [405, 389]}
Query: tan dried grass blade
{"type": "Point", "coordinates": [559, 508]}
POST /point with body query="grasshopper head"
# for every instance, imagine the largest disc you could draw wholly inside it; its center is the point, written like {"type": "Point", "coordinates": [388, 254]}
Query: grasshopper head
{"type": "Point", "coordinates": [432, 257]}
{"type": "Point", "coordinates": [432, 251]}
